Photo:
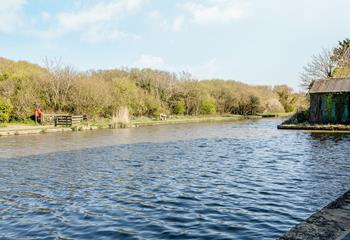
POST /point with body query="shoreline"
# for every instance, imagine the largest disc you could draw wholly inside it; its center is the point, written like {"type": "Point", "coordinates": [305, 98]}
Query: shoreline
{"type": "Point", "coordinates": [330, 222]}
{"type": "Point", "coordinates": [14, 130]}
{"type": "Point", "coordinates": [316, 128]}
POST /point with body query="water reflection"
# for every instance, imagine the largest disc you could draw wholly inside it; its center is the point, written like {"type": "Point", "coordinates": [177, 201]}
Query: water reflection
{"type": "Point", "coordinates": [330, 136]}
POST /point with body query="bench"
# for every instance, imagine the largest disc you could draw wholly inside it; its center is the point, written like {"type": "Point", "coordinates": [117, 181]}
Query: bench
{"type": "Point", "coordinates": [69, 120]}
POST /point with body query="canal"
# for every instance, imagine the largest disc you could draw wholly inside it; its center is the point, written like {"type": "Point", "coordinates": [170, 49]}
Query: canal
{"type": "Point", "coordinates": [243, 180]}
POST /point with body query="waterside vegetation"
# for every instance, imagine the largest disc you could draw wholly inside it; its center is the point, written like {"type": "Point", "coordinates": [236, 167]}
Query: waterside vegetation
{"type": "Point", "coordinates": [131, 94]}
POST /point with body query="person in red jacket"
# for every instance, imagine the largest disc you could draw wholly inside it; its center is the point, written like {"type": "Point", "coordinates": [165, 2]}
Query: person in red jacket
{"type": "Point", "coordinates": [38, 114]}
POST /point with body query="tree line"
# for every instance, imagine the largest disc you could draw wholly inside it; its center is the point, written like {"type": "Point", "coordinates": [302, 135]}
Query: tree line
{"type": "Point", "coordinates": [58, 88]}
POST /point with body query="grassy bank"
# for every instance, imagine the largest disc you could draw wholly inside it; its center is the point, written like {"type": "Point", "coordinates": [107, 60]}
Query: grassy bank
{"type": "Point", "coordinates": [276, 114]}
{"type": "Point", "coordinates": [103, 123]}
{"type": "Point", "coordinates": [145, 121]}
{"type": "Point", "coordinates": [190, 119]}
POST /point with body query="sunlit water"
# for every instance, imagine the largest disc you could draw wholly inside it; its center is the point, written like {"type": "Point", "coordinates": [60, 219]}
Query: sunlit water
{"type": "Point", "coordinates": [242, 180]}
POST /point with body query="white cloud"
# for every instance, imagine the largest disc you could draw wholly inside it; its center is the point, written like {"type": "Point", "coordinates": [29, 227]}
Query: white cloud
{"type": "Point", "coordinates": [99, 13]}
{"type": "Point", "coordinates": [207, 70]}
{"type": "Point", "coordinates": [11, 15]}
{"type": "Point", "coordinates": [95, 23]}
{"type": "Point", "coordinates": [216, 11]}
{"type": "Point", "coordinates": [100, 33]}
{"type": "Point", "coordinates": [150, 61]}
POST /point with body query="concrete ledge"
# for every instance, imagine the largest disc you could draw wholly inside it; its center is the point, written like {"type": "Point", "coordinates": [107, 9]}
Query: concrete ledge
{"type": "Point", "coordinates": [32, 130]}
{"type": "Point", "coordinates": [331, 222]}
{"type": "Point", "coordinates": [345, 128]}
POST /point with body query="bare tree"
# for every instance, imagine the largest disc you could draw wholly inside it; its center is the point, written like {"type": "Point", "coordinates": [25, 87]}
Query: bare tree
{"type": "Point", "coordinates": [58, 83]}
{"type": "Point", "coordinates": [322, 66]}
{"type": "Point", "coordinates": [185, 76]}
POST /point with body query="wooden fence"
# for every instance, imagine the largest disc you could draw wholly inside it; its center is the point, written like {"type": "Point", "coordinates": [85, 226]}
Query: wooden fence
{"type": "Point", "coordinates": [50, 118]}
{"type": "Point", "coordinates": [68, 120]}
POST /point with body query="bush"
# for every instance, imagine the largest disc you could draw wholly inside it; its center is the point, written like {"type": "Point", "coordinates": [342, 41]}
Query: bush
{"type": "Point", "coordinates": [207, 106]}
{"type": "Point", "coordinates": [286, 97]}
{"type": "Point", "coordinates": [5, 111]}
{"type": "Point", "coordinates": [153, 106]}
{"type": "Point", "coordinates": [179, 108]}
{"type": "Point", "coordinates": [298, 118]}
{"type": "Point", "coordinates": [274, 106]}
{"type": "Point", "coordinates": [254, 103]}
{"type": "Point", "coordinates": [90, 97]}
{"type": "Point", "coordinates": [23, 103]}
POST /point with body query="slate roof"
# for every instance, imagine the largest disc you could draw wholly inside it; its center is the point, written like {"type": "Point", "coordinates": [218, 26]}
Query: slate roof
{"type": "Point", "coordinates": [334, 85]}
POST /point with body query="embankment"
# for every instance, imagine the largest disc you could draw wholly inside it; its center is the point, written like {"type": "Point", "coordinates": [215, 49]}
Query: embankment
{"type": "Point", "coordinates": [142, 122]}
{"type": "Point", "coordinates": [330, 223]}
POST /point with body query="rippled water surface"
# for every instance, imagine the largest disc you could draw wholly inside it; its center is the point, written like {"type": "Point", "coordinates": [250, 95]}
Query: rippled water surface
{"type": "Point", "coordinates": [242, 180]}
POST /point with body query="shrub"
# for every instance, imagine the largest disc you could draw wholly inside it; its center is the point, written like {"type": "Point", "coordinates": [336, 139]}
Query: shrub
{"type": "Point", "coordinates": [90, 97]}
{"type": "Point", "coordinates": [23, 103]}
{"type": "Point", "coordinates": [286, 97]}
{"type": "Point", "coordinates": [5, 111]}
{"type": "Point", "coordinates": [179, 108]}
{"type": "Point", "coordinates": [273, 105]}
{"type": "Point", "coordinates": [120, 119]}
{"type": "Point", "coordinates": [152, 106]}
{"type": "Point", "coordinates": [254, 103]}
{"type": "Point", "coordinates": [207, 106]}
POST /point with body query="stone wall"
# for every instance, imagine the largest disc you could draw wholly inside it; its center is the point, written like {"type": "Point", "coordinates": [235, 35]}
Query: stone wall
{"type": "Point", "coordinates": [330, 223]}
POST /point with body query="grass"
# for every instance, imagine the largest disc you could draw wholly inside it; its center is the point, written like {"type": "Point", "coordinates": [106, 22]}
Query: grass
{"type": "Point", "coordinates": [276, 114]}
{"type": "Point", "coordinates": [190, 119]}
{"type": "Point", "coordinates": [104, 123]}
{"type": "Point", "coordinates": [100, 123]}
{"type": "Point", "coordinates": [27, 122]}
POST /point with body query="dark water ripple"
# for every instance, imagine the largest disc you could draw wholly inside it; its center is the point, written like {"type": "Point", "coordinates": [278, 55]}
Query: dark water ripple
{"type": "Point", "coordinates": [246, 181]}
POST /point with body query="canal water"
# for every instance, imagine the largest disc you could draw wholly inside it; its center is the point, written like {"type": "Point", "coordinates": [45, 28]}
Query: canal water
{"type": "Point", "coordinates": [243, 180]}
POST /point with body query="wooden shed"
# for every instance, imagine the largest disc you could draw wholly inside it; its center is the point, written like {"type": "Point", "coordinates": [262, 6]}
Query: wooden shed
{"type": "Point", "coordinates": [330, 101]}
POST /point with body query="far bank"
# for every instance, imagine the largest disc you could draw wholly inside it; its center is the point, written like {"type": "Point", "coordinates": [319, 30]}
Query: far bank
{"type": "Point", "coordinates": [31, 128]}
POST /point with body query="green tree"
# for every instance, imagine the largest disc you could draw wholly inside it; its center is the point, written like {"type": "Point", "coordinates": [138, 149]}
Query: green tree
{"type": "Point", "coordinates": [286, 97]}
{"type": "Point", "coordinates": [253, 105]}
{"type": "Point", "coordinates": [179, 108]}
{"type": "Point", "coordinates": [5, 111]}
{"type": "Point", "coordinates": [207, 106]}
{"type": "Point", "coordinates": [341, 53]}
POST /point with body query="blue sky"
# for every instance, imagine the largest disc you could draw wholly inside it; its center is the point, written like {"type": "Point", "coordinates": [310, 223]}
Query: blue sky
{"type": "Point", "coordinates": [253, 41]}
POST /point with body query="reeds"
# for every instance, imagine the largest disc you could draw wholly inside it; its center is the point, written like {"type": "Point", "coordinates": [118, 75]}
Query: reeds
{"type": "Point", "coordinates": [120, 118]}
